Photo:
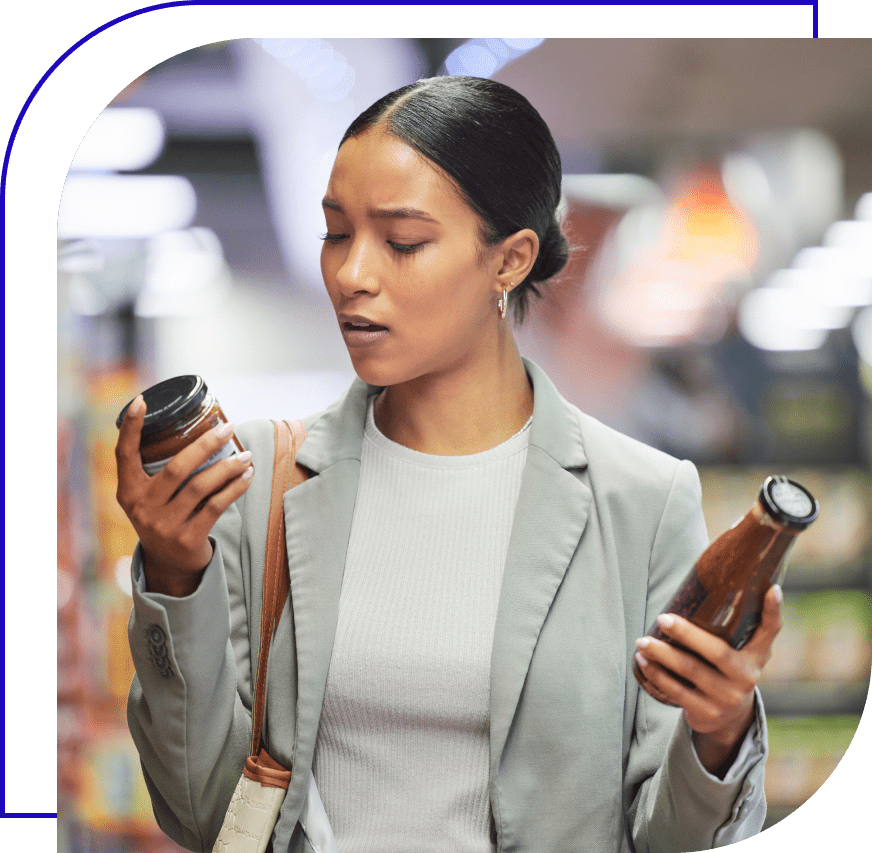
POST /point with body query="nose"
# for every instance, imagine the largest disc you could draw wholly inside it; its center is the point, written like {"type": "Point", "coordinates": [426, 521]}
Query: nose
{"type": "Point", "coordinates": [358, 272]}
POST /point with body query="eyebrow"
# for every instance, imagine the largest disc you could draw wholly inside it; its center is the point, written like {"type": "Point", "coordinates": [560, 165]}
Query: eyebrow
{"type": "Point", "coordinates": [384, 212]}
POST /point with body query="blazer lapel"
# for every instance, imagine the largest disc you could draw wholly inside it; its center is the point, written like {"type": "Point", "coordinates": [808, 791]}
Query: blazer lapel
{"type": "Point", "coordinates": [318, 516]}
{"type": "Point", "coordinates": [550, 517]}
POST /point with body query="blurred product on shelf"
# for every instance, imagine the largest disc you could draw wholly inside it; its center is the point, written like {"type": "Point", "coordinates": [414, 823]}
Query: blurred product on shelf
{"type": "Point", "coordinates": [835, 550]}
{"type": "Point", "coordinates": [108, 392]}
{"type": "Point", "coordinates": [804, 751]}
{"type": "Point", "coordinates": [114, 796]}
{"type": "Point", "coordinates": [827, 637]}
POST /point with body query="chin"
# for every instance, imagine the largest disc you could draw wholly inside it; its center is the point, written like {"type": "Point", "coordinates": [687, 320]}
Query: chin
{"type": "Point", "coordinates": [373, 373]}
{"type": "Point", "coordinates": [381, 373]}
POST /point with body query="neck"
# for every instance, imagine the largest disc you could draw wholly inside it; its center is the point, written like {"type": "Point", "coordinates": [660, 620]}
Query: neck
{"type": "Point", "coordinates": [468, 409]}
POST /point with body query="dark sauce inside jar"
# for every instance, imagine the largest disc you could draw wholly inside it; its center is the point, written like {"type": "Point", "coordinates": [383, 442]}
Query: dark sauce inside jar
{"type": "Point", "coordinates": [178, 412]}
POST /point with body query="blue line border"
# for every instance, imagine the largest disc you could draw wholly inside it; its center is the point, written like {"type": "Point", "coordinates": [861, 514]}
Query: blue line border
{"type": "Point", "coordinates": [8, 153]}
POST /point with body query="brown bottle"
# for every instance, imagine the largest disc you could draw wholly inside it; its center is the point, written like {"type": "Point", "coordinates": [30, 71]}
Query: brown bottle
{"type": "Point", "coordinates": [724, 591]}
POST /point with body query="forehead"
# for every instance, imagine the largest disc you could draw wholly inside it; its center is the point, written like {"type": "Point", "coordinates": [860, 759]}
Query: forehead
{"type": "Point", "coordinates": [377, 168]}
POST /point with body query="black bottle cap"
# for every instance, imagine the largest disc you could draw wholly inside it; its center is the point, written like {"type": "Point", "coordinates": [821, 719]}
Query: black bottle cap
{"type": "Point", "coordinates": [168, 401]}
{"type": "Point", "coordinates": [790, 504]}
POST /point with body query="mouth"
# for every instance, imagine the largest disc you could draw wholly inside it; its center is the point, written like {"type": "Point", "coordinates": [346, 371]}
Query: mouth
{"type": "Point", "coordinates": [352, 322]}
{"type": "Point", "coordinates": [359, 325]}
{"type": "Point", "coordinates": [360, 331]}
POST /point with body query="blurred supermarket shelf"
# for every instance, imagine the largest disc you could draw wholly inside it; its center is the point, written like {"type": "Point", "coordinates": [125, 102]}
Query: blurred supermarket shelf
{"type": "Point", "coordinates": [814, 578]}
{"type": "Point", "coordinates": [796, 699]}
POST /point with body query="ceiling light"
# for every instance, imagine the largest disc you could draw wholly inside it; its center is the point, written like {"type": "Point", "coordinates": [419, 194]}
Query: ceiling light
{"type": "Point", "coordinates": [854, 263]}
{"type": "Point", "coordinates": [121, 139]}
{"type": "Point", "coordinates": [864, 208]}
{"type": "Point", "coordinates": [124, 205]}
{"type": "Point", "coordinates": [770, 319]}
{"type": "Point", "coordinates": [850, 235]}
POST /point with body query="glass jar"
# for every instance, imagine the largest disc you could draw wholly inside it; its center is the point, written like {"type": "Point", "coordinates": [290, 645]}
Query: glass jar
{"type": "Point", "coordinates": [178, 412]}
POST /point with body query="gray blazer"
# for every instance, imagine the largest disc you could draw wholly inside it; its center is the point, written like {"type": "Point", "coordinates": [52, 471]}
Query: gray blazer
{"type": "Point", "coordinates": [581, 759]}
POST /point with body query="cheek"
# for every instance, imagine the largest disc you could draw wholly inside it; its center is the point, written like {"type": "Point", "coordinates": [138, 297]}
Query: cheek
{"type": "Point", "coordinates": [447, 308]}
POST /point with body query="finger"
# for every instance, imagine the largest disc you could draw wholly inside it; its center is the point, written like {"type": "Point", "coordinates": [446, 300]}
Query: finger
{"type": "Point", "coordinates": [692, 701]}
{"type": "Point", "coordinates": [189, 459]}
{"type": "Point", "coordinates": [713, 649]}
{"type": "Point", "coordinates": [130, 431]}
{"type": "Point", "coordinates": [771, 623]}
{"type": "Point", "coordinates": [704, 677]}
{"type": "Point", "coordinates": [205, 516]}
{"type": "Point", "coordinates": [725, 690]}
{"type": "Point", "coordinates": [201, 486]}
{"type": "Point", "coordinates": [128, 462]}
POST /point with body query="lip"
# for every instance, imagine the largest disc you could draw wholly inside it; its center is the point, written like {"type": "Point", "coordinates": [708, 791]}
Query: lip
{"type": "Point", "coordinates": [359, 319]}
{"type": "Point", "coordinates": [357, 338]}
{"type": "Point", "coordinates": [360, 337]}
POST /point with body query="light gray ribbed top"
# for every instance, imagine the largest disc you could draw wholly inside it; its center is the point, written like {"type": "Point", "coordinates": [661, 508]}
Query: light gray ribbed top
{"type": "Point", "coordinates": [401, 759]}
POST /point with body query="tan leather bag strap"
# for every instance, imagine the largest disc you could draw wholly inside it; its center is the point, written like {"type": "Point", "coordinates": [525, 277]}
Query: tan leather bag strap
{"type": "Point", "coordinates": [276, 580]}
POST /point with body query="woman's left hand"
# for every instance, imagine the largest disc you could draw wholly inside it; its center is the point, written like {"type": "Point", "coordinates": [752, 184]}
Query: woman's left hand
{"type": "Point", "coordinates": [721, 708]}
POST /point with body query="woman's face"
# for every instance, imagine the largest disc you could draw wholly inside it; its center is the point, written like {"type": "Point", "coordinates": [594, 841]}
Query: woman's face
{"type": "Point", "coordinates": [413, 290]}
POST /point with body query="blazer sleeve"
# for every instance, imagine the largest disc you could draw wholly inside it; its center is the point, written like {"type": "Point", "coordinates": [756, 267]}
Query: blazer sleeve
{"type": "Point", "coordinates": [189, 708]}
{"type": "Point", "coordinates": [675, 805]}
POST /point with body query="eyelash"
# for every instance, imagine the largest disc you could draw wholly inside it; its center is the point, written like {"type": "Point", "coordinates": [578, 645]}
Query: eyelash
{"type": "Point", "coordinates": [405, 248]}
{"type": "Point", "coordinates": [401, 248]}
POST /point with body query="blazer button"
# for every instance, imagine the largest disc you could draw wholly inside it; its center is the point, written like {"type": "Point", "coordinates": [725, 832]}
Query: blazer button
{"type": "Point", "coordinates": [157, 650]}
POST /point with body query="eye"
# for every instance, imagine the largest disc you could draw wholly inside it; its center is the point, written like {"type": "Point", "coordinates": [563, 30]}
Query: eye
{"type": "Point", "coordinates": [333, 238]}
{"type": "Point", "coordinates": [406, 248]}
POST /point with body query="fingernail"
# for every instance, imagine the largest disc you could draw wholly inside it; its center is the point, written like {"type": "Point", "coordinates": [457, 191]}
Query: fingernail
{"type": "Point", "coordinates": [248, 473]}
{"type": "Point", "coordinates": [779, 595]}
{"type": "Point", "coordinates": [640, 660]}
{"type": "Point", "coordinates": [136, 405]}
{"type": "Point", "coordinates": [665, 620]}
{"type": "Point", "coordinates": [223, 430]}
{"type": "Point", "coordinates": [642, 642]}
{"type": "Point", "coordinates": [245, 456]}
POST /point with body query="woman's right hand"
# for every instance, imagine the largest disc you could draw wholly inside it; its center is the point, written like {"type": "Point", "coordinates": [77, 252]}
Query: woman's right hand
{"type": "Point", "coordinates": [173, 523]}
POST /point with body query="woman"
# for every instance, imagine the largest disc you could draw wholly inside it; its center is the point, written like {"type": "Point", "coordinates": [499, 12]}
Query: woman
{"type": "Point", "coordinates": [472, 559]}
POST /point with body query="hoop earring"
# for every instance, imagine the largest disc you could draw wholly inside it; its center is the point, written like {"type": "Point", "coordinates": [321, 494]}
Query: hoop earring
{"type": "Point", "coordinates": [503, 304]}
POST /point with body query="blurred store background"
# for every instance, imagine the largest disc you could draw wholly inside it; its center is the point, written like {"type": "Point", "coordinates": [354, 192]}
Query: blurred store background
{"type": "Point", "coordinates": [718, 306]}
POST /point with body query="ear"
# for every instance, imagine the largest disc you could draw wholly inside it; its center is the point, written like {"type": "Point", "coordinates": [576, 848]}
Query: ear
{"type": "Point", "coordinates": [518, 253]}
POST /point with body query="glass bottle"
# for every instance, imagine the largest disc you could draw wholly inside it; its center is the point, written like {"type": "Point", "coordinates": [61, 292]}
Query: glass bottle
{"type": "Point", "coordinates": [724, 591]}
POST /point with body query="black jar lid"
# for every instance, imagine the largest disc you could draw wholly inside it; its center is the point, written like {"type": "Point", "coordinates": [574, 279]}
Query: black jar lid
{"type": "Point", "coordinates": [790, 504]}
{"type": "Point", "coordinates": [168, 401]}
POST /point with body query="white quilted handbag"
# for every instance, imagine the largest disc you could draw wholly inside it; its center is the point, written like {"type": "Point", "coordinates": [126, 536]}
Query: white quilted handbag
{"type": "Point", "coordinates": [251, 816]}
{"type": "Point", "coordinates": [253, 812]}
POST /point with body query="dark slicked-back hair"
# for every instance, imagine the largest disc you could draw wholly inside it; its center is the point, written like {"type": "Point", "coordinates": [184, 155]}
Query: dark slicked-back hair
{"type": "Point", "coordinates": [498, 151]}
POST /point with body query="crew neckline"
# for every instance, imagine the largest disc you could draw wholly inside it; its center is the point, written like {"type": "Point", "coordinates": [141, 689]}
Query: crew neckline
{"type": "Point", "coordinates": [514, 444]}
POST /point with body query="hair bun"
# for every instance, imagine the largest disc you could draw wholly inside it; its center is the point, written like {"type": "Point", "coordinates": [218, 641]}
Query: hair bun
{"type": "Point", "coordinates": [553, 254]}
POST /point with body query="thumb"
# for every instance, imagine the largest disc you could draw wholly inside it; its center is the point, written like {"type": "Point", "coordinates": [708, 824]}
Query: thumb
{"type": "Point", "coordinates": [771, 621]}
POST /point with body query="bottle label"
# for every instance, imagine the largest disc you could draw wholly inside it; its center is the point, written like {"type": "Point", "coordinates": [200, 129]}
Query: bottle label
{"type": "Point", "coordinates": [228, 450]}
